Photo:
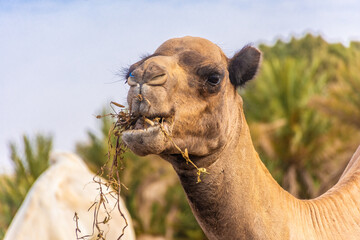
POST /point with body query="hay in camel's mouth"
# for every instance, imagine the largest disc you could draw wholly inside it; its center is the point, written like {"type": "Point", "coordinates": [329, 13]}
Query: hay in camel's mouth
{"type": "Point", "coordinates": [126, 124]}
{"type": "Point", "coordinates": [140, 124]}
{"type": "Point", "coordinates": [147, 135]}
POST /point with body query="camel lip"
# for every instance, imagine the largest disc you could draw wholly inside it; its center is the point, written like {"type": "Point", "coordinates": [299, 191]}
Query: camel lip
{"type": "Point", "coordinates": [144, 123]}
{"type": "Point", "coordinates": [157, 126]}
{"type": "Point", "coordinates": [148, 140]}
{"type": "Point", "coordinates": [148, 135]}
{"type": "Point", "coordinates": [142, 131]}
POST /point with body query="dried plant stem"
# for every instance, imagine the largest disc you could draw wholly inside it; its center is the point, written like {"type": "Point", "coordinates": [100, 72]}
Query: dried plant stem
{"type": "Point", "coordinates": [184, 154]}
{"type": "Point", "coordinates": [121, 213]}
{"type": "Point", "coordinates": [113, 185]}
{"type": "Point", "coordinates": [119, 150]}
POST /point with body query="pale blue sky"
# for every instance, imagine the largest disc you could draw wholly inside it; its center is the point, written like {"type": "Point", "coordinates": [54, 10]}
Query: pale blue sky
{"type": "Point", "coordinates": [58, 59]}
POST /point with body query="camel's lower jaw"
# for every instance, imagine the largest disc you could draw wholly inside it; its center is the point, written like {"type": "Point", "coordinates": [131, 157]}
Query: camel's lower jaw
{"type": "Point", "coordinates": [151, 140]}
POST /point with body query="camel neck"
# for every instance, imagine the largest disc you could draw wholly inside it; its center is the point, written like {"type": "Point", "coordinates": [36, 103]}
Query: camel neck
{"type": "Point", "coordinates": [239, 174]}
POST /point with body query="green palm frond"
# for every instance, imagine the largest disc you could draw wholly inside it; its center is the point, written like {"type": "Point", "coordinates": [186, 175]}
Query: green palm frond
{"type": "Point", "coordinates": [343, 101]}
{"type": "Point", "coordinates": [27, 167]}
{"type": "Point", "coordinates": [299, 82]}
{"type": "Point", "coordinates": [282, 92]}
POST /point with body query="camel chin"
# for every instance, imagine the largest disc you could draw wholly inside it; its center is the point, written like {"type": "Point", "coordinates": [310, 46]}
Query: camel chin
{"type": "Point", "coordinates": [151, 140]}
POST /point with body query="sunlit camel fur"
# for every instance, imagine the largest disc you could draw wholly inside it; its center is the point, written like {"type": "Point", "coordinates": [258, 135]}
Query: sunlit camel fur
{"type": "Point", "coordinates": [190, 85]}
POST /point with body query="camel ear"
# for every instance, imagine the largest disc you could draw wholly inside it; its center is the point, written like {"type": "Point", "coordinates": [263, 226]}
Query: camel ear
{"type": "Point", "coordinates": [243, 66]}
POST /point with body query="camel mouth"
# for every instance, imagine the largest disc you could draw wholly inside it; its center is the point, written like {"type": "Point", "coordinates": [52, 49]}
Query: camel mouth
{"type": "Point", "coordinates": [148, 123]}
{"type": "Point", "coordinates": [148, 135]}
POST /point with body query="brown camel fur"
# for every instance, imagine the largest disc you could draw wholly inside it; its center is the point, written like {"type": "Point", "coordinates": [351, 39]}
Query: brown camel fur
{"type": "Point", "coordinates": [190, 85]}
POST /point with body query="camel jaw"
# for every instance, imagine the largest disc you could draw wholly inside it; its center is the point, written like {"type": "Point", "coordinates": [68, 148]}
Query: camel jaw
{"type": "Point", "coordinates": [147, 136]}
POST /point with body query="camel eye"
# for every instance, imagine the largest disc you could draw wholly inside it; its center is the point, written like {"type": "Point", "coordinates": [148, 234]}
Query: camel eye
{"type": "Point", "coordinates": [213, 80]}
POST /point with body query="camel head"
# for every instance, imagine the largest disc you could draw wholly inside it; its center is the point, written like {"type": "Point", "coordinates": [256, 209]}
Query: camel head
{"type": "Point", "coordinates": [188, 89]}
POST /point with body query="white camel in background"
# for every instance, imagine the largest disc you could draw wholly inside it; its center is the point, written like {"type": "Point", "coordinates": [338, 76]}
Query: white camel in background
{"type": "Point", "coordinates": [65, 188]}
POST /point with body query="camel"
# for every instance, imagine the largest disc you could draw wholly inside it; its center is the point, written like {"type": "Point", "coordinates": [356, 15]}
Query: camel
{"type": "Point", "coordinates": [191, 86]}
{"type": "Point", "coordinates": [47, 212]}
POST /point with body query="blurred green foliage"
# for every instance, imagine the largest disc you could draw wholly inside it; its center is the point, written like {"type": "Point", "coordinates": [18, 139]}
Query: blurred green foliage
{"type": "Point", "coordinates": [343, 100]}
{"type": "Point", "coordinates": [304, 114]}
{"type": "Point", "coordinates": [290, 134]}
{"type": "Point", "coordinates": [27, 167]}
{"type": "Point", "coordinates": [300, 145]}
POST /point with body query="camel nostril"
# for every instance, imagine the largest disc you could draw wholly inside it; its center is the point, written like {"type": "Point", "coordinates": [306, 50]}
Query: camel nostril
{"type": "Point", "coordinates": [131, 81]}
{"type": "Point", "coordinates": [157, 80]}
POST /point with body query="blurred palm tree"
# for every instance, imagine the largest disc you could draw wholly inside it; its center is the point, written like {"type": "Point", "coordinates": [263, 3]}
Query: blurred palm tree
{"type": "Point", "coordinates": [292, 138]}
{"type": "Point", "coordinates": [95, 150]}
{"type": "Point", "coordinates": [342, 104]}
{"type": "Point", "coordinates": [28, 166]}
{"type": "Point", "coordinates": [301, 80]}
{"type": "Point", "coordinates": [343, 99]}
{"type": "Point", "coordinates": [310, 48]}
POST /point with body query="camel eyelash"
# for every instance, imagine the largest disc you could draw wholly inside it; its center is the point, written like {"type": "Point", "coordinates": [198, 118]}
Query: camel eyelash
{"type": "Point", "coordinates": [127, 71]}
{"type": "Point", "coordinates": [207, 71]}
